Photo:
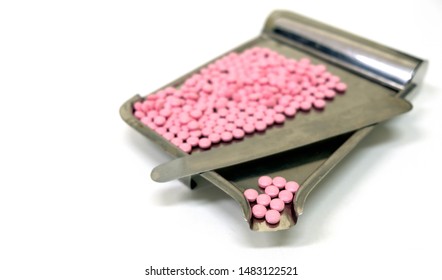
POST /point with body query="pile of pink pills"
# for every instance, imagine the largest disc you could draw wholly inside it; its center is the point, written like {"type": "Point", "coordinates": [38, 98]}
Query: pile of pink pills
{"type": "Point", "coordinates": [237, 95]}
{"type": "Point", "coordinates": [269, 205]}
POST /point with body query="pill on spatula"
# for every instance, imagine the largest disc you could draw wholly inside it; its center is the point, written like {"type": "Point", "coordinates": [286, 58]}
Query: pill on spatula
{"type": "Point", "coordinates": [263, 199]}
{"type": "Point", "coordinates": [286, 196]}
{"type": "Point", "coordinates": [277, 204]}
{"type": "Point", "coordinates": [292, 186]}
{"type": "Point", "coordinates": [259, 211]}
{"type": "Point", "coordinates": [251, 195]}
{"type": "Point", "coordinates": [272, 217]}
{"type": "Point", "coordinates": [272, 191]}
{"type": "Point", "coordinates": [264, 181]}
{"type": "Point", "coordinates": [279, 182]}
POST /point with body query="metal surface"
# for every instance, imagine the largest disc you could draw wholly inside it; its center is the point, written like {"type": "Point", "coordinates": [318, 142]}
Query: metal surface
{"type": "Point", "coordinates": [385, 65]}
{"type": "Point", "coordinates": [386, 72]}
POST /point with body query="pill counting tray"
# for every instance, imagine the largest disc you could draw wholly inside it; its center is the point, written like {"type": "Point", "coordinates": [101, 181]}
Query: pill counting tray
{"type": "Point", "coordinates": [378, 78]}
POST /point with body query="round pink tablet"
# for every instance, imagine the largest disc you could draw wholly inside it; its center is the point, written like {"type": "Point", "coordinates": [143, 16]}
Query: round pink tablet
{"type": "Point", "coordinates": [251, 194]}
{"type": "Point", "coordinates": [139, 114]}
{"type": "Point", "coordinates": [176, 141]}
{"type": "Point", "coordinates": [186, 147]}
{"type": "Point", "coordinates": [279, 182]}
{"type": "Point", "coordinates": [183, 134]}
{"type": "Point", "coordinates": [319, 104]}
{"type": "Point", "coordinates": [279, 118]}
{"type": "Point", "coordinates": [277, 204]}
{"type": "Point", "coordinates": [215, 138]}
{"type": "Point", "coordinates": [193, 141]}
{"type": "Point", "coordinates": [341, 87]}
{"type": "Point", "coordinates": [238, 133]}
{"type": "Point", "coordinates": [159, 120]}
{"type": "Point", "coordinates": [292, 186]}
{"type": "Point", "coordinates": [272, 217]}
{"type": "Point", "coordinates": [226, 136]}
{"type": "Point", "coordinates": [259, 211]}
{"type": "Point", "coordinates": [248, 128]}
{"type": "Point", "coordinates": [263, 199]}
{"type": "Point", "coordinates": [305, 105]}
{"type": "Point", "coordinates": [264, 181]}
{"type": "Point", "coordinates": [272, 191]}
{"type": "Point", "coordinates": [286, 196]}
{"type": "Point", "coordinates": [260, 125]}
{"type": "Point", "coordinates": [290, 112]}
{"type": "Point", "coordinates": [204, 143]}
{"type": "Point", "coordinates": [329, 94]}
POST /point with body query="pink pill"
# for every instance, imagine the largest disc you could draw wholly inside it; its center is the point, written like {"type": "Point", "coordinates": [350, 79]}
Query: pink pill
{"type": "Point", "coordinates": [214, 138]}
{"type": "Point", "coordinates": [165, 112]}
{"type": "Point", "coordinates": [329, 94]}
{"type": "Point", "coordinates": [226, 136]}
{"type": "Point", "coordinates": [272, 216]}
{"type": "Point", "coordinates": [277, 204]}
{"type": "Point", "coordinates": [239, 122]}
{"type": "Point", "coordinates": [174, 129]}
{"type": "Point", "coordinates": [139, 114]}
{"type": "Point", "coordinates": [305, 105]}
{"type": "Point", "coordinates": [279, 118]}
{"type": "Point", "coordinates": [195, 133]}
{"type": "Point", "coordinates": [341, 87]}
{"type": "Point", "coordinates": [286, 196]}
{"type": "Point", "coordinates": [146, 120]}
{"type": "Point", "coordinates": [292, 186]}
{"type": "Point", "coordinates": [196, 114]}
{"type": "Point", "coordinates": [272, 191]}
{"type": "Point", "coordinates": [160, 130]}
{"type": "Point", "coordinates": [229, 127]}
{"type": "Point", "coordinates": [260, 126]}
{"type": "Point", "coordinates": [264, 181]}
{"type": "Point", "coordinates": [259, 211]}
{"type": "Point", "coordinates": [218, 129]}
{"type": "Point", "coordinates": [176, 141]}
{"type": "Point", "coordinates": [279, 182]}
{"type": "Point", "coordinates": [183, 134]}
{"type": "Point", "coordinates": [238, 133]}
{"type": "Point", "coordinates": [192, 125]}
{"type": "Point", "coordinates": [184, 118]}
{"type": "Point", "coordinates": [192, 141]}
{"type": "Point", "coordinates": [204, 143]}
{"type": "Point", "coordinates": [138, 105]}
{"type": "Point", "coordinates": [319, 104]}
{"type": "Point", "coordinates": [251, 195]}
{"type": "Point", "coordinates": [269, 120]}
{"type": "Point", "coordinates": [221, 122]}
{"type": "Point", "coordinates": [186, 147]}
{"type": "Point", "coordinates": [206, 131]}
{"type": "Point", "coordinates": [279, 109]}
{"type": "Point", "coordinates": [169, 136]}
{"type": "Point", "coordinates": [248, 128]}
{"type": "Point", "coordinates": [207, 88]}
{"type": "Point", "coordinates": [263, 199]}
{"type": "Point", "coordinates": [290, 112]}
{"type": "Point", "coordinates": [159, 120]}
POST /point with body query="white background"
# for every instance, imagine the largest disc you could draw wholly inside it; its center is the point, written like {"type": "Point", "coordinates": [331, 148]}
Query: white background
{"type": "Point", "coordinates": [76, 199]}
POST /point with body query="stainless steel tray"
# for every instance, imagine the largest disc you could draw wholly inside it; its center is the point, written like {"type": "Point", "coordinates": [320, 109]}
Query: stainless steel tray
{"type": "Point", "coordinates": [372, 71]}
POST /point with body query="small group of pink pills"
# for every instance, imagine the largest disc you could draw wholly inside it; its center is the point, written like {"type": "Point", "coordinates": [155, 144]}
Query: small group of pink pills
{"type": "Point", "coordinates": [235, 96]}
{"type": "Point", "coordinates": [269, 205]}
